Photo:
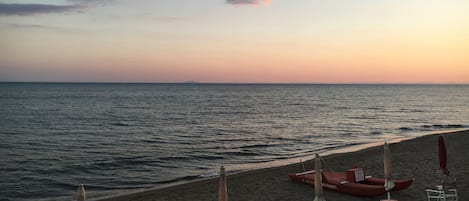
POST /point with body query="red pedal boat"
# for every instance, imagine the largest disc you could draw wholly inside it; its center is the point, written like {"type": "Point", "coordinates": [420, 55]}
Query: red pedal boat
{"type": "Point", "coordinates": [352, 182]}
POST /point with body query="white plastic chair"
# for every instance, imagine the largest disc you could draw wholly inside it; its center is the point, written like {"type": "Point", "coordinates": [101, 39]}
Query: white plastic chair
{"type": "Point", "coordinates": [441, 195]}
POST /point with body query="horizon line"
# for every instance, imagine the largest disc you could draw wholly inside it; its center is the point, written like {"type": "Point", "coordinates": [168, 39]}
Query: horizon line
{"type": "Point", "coordinates": [234, 83]}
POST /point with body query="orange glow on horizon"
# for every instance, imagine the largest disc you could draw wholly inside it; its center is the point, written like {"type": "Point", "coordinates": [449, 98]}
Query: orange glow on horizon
{"type": "Point", "coordinates": [379, 42]}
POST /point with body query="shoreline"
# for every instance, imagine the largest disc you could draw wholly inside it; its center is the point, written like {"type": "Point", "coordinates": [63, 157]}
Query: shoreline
{"type": "Point", "coordinates": [181, 187]}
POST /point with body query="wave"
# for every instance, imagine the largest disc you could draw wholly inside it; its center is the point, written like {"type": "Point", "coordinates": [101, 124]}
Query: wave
{"type": "Point", "coordinates": [256, 146]}
{"type": "Point", "coordinates": [120, 124]}
{"type": "Point", "coordinates": [374, 108]}
{"type": "Point", "coordinates": [446, 126]}
{"type": "Point", "coordinates": [208, 157]}
{"type": "Point", "coordinates": [188, 178]}
{"type": "Point", "coordinates": [190, 157]}
{"type": "Point", "coordinates": [173, 158]}
{"type": "Point", "coordinates": [181, 179]}
{"type": "Point", "coordinates": [151, 141]}
{"type": "Point", "coordinates": [407, 129]}
{"type": "Point", "coordinates": [242, 153]}
{"type": "Point", "coordinates": [432, 127]}
{"type": "Point", "coordinates": [376, 133]}
{"type": "Point", "coordinates": [412, 110]}
{"type": "Point", "coordinates": [364, 117]}
{"type": "Point", "coordinates": [208, 175]}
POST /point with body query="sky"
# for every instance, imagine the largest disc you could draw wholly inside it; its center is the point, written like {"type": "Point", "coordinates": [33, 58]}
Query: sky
{"type": "Point", "coordinates": [235, 41]}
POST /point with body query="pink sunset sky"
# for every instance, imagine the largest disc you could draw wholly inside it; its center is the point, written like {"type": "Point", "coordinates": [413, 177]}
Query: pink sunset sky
{"type": "Point", "coordinates": [235, 41]}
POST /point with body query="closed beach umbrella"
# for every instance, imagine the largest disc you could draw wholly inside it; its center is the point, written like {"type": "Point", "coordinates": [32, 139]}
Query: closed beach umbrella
{"type": "Point", "coordinates": [222, 190]}
{"type": "Point", "coordinates": [81, 195]}
{"type": "Point", "coordinates": [442, 155]}
{"type": "Point", "coordinates": [318, 179]}
{"type": "Point", "coordinates": [388, 184]}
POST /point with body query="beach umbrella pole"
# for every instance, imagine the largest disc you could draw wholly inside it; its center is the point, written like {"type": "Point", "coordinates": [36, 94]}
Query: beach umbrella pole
{"type": "Point", "coordinates": [81, 195]}
{"type": "Point", "coordinates": [318, 179]}
{"type": "Point", "coordinates": [388, 184]}
{"type": "Point", "coordinates": [222, 189]}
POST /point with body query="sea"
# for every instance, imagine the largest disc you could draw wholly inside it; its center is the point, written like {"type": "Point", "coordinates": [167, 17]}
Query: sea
{"type": "Point", "coordinates": [123, 137]}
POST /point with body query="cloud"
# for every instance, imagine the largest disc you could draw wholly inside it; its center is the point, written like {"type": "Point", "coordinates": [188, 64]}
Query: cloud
{"type": "Point", "coordinates": [32, 9]}
{"type": "Point", "coordinates": [27, 26]}
{"type": "Point", "coordinates": [41, 27]}
{"type": "Point", "coordinates": [91, 2]}
{"type": "Point", "coordinates": [247, 2]}
{"type": "Point", "coordinates": [36, 26]}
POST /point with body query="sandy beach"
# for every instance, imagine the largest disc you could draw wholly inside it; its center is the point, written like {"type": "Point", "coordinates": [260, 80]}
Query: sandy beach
{"type": "Point", "coordinates": [416, 158]}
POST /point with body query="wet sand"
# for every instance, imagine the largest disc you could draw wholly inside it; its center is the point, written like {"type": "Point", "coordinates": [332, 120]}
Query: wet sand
{"type": "Point", "coordinates": [416, 158]}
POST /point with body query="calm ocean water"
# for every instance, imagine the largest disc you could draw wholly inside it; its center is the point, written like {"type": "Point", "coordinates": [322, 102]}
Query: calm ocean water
{"type": "Point", "coordinates": [132, 136]}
